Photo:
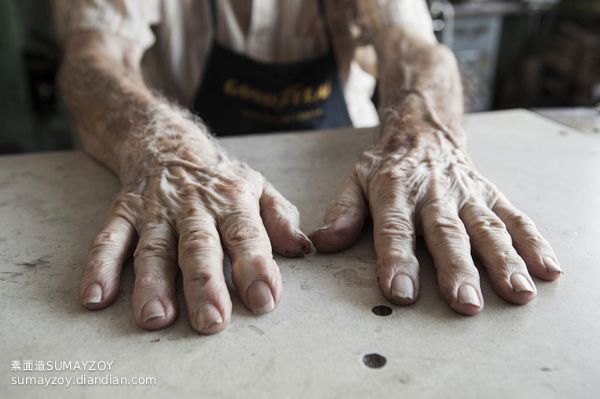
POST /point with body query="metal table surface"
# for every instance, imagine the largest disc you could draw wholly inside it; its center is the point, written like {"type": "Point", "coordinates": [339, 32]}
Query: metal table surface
{"type": "Point", "coordinates": [313, 345]}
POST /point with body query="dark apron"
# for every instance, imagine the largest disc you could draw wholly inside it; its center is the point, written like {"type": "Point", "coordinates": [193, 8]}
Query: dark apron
{"type": "Point", "coordinates": [239, 95]}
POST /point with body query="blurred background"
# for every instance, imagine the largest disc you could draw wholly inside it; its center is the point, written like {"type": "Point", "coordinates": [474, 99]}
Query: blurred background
{"type": "Point", "coordinates": [539, 54]}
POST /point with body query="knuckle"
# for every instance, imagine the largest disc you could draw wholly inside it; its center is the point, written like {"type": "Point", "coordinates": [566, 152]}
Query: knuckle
{"type": "Point", "coordinates": [390, 194]}
{"type": "Point", "coordinates": [398, 260]}
{"type": "Point", "coordinates": [342, 204]}
{"type": "Point", "coordinates": [200, 235]}
{"type": "Point", "coordinates": [95, 267]}
{"type": "Point", "coordinates": [233, 188]}
{"type": "Point", "coordinates": [149, 279]}
{"type": "Point", "coordinates": [200, 277]}
{"type": "Point", "coordinates": [242, 230]}
{"type": "Point", "coordinates": [282, 209]}
{"type": "Point", "coordinates": [458, 263]}
{"type": "Point", "coordinates": [500, 258]}
{"type": "Point", "coordinates": [519, 219]}
{"type": "Point", "coordinates": [122, 206]}
{"type": "Point", "coordinates": [535, 241]}
{"type": "Point", "coordinates": [261, 266]}
{"type": "Point", "coordinates": [404, 257]}
{"type": "Point", "coordinates": [486, 226]}
{"type": "Point", "coordinates": [155, 247]}
{"type": "Point", "coordinates": [389, 175]}
{"type": "Point", "coordinates": [445, 225]}
{"type": "Point", "coordinates": [197, 242]}
{"type": "Point", "coordinates": [105, 238]}
{"type": "Point", "coordinates": [459, 267]}
{"type": "Point", "coordinates": [396, 227]}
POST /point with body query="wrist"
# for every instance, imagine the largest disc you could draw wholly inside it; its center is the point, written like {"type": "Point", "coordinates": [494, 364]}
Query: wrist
{"type": "Point", "coordinates": [166, 145]}
{"type": "Point", "coordinates": [412, 122]}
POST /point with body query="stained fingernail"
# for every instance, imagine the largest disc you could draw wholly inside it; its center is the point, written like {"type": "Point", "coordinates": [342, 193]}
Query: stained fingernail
{"type": "Point", "coordinates": [468, 296]}
{"type": "Point", "coordinates": [92, 294]}
{"type": "Point", "coordinates": [403, 287]}
{"type": "Point", "coordinates": [307, 247]}
{"type": "Point", "coordinates": [551, 265]}
{"type": "Point", "coordinates": [520, 283]}
{"type": "Point", "coordinates": [260, 297]}
{"type": "Point", "coordinates": [152, 310]}
{"type": "Point", "coordinates": [207, 316]}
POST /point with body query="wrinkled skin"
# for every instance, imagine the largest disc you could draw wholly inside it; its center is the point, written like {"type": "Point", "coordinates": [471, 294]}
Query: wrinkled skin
{"type": "Point", "coordinates": [417, 179]}
{"type": "Point", "coordinates": [185, 201]}
{"type": "Point", "coordinates": [181, 210]}
{"type": "Point", "coordinates": [425, 184]}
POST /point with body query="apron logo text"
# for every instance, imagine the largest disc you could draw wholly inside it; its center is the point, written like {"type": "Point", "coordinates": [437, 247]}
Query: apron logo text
{"type": "Point", "coordinates": [294, 95]}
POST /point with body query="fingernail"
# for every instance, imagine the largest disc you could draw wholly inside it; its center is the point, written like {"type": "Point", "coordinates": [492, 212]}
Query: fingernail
{"type": "Point", "coordinates": [152, 310]}
{"type": "Point", "coordinates": [403, 287]}
{"type": "Point", "coordinates": [520, 283]}
{"type": "Point", "coordinates": [207, 316]}
{"type": "Point", "coordinates": [468, 296]}
{"type": "Point", "coordinates": [551, 265]}
{"type": "Point", "coordinates": [92, 294]}
{"type": "Point", "coordinates": [260, 298]}
{"type": "Point", "coordinates": [307, 248]}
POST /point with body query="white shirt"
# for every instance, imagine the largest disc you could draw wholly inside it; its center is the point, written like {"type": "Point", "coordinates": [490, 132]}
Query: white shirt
{"type": "Point", "coordinates": [176, 36]}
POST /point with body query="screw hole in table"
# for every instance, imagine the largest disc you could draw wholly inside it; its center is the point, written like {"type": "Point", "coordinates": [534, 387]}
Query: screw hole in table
{"type": "Point", "coordinates": [382, 310]}
{"type": "Point", "coordinates": [374, 360]}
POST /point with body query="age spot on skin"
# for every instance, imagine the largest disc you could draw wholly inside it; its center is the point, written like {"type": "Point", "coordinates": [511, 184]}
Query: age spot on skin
{"type": "Point", "coordinates": [374, 360]}
{"type": "Point", "coordinates": [382, 310]}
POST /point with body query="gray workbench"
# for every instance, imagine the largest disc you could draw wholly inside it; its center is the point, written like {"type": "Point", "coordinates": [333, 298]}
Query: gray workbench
{"type": "Point", "coordinates": [313, 344]}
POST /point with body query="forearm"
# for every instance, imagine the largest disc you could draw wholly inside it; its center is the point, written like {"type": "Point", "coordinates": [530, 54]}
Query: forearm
{"type": "Point", "coordinates": [119, 120]}
{"type": "Point", "coordinates": [420, 88]}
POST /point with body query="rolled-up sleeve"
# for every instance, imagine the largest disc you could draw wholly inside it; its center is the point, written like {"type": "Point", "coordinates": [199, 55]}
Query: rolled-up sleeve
{"type": "Point", "coordinates": [130, 19]}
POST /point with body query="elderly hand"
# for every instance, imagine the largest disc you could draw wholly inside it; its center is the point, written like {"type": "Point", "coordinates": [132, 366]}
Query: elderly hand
{"type": "Point", "coordinates": [424, 183]}
{"type": "Point", "coordinates": [179, 204]}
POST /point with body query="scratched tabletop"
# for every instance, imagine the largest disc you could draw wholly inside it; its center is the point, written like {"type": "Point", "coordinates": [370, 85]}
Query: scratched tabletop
{"type": "Point", "coordinates": [324, 339]}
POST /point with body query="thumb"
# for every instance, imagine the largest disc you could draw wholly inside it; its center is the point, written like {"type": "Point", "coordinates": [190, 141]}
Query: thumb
{"type": "Point", "coordinates": [282, 220]}
{"type": "Point", "coordinates": [344, 218]}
